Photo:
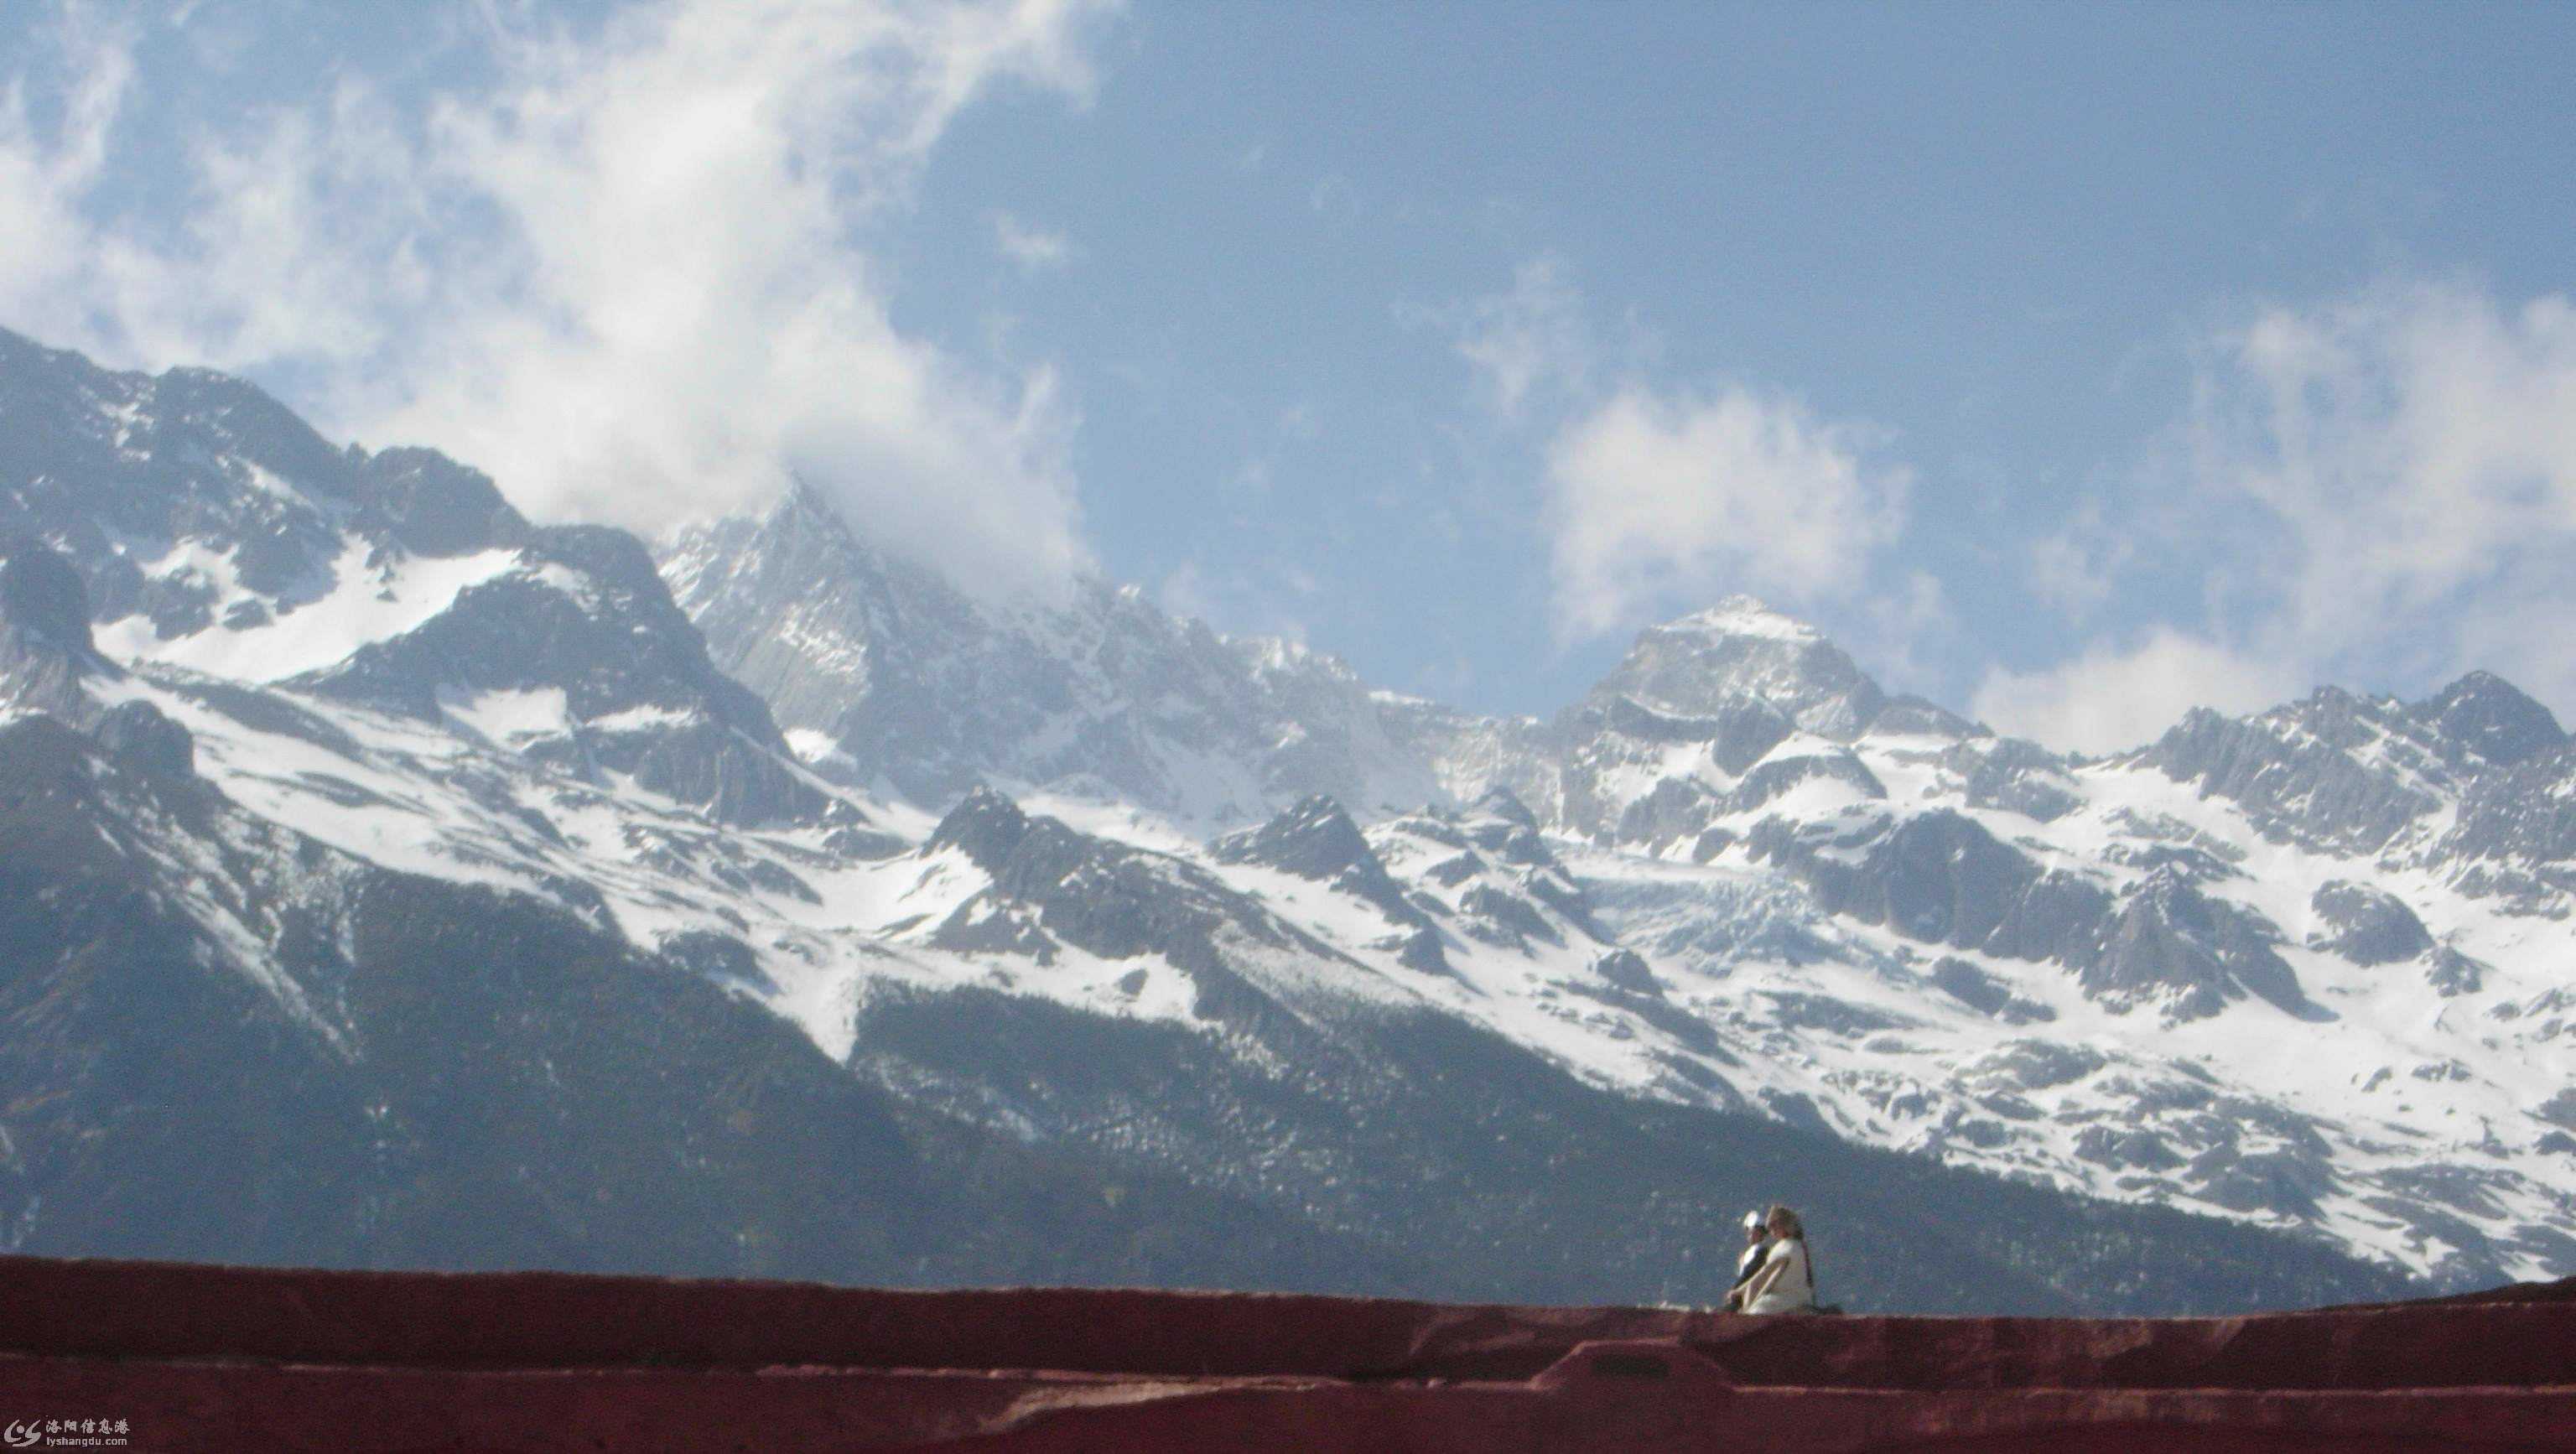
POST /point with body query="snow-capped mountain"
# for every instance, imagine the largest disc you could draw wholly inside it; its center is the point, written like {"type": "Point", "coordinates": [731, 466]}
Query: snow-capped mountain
{"type": "Point", "coordinates": [2084, 970]}
{"type": "Point", "coordinates": [1074, 911]}
{"type": "Point", "coordinates": [892, 678]}
{"type": "Point", "coordinates": [217, 533]}
{"type": "Point", "coordinates": [1968, 946]}
{"type": "Point", "coordinates": [1921, 934]}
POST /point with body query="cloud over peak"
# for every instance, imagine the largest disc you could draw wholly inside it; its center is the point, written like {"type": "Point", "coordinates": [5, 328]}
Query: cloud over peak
{"type": "Point", "coordinates": [1658, 497]}
{"type": "Point", "coordinates": [621, 271]}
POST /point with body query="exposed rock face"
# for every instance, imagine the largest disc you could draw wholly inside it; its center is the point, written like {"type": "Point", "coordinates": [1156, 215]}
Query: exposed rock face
{"type": "Point", "coordinates": [2298, 768]}
{"type": "Point", "coordinates": [143, 741]}
{"type": "Point", "coordinates": [2014, 776]}
{"type": "Point", "coordinates": [1628, 970]}
{"type": "Point", "coordinates": [2493, 719]}
{"type": "Point", "coordinates": [1940, 878]}
{"type": "Point", "coordinates": [1317, 840]}
{"type": "Point", "coordinates": [2368, 925]}
{"type": "Point", "coordinates": [2355, 774]}
{"type": "Point", "coordinates": [433, 506]}
{"type": "Point", "coordinates": [1986, 994]}
{"type": "Point", "coordinates": [1050, 886]}
{"type": "Point", "coordinates": [640, 695]}
{"type": "Point", "coordinates": [1910, 716]}
{"type": "Point", "coordinates": [1775, 776]}
{"type": "Point", "coordinates": [2172, 943]}
{"type": "Point", "coordinates": [2524, 815]}
{"type": "Point", "coordinates": [42, 596]}
{"type": "Point", "coordinates": [985, 826]}
{"type": "Point", "coordinates": [45, 648]}
{"type": "Point", "coordinates": [2450, 972]}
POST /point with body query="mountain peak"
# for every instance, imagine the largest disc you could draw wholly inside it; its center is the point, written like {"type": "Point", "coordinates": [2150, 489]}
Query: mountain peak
{"type": "Point", "coordinates": [2492, 717]}
{"type": "Point", "coordinates": [985, 826]}
{"type": "Point", "coordinates": [1498, 801]}
{"type": "Point", "coordinates": [1740, 649]}
{"type": "Point", "coordinates": [803, 497]}
{"type": "Point", "coordinates": [1314, 839]}
{"type": "Point", "coordinates": [1742, 615]}
{"type": "Point", "coordinates": [799, 510]}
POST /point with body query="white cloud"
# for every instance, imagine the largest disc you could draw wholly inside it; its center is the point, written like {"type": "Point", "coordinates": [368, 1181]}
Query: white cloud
{"type": "Point", "coordinates": [2416, 447]}
{"type": "Point", "coordinates": [2074, 568]}
{"type": "Point", "coordinates": [1030, 249]}
{"type": "Point", "coordinates": [1185, 592]}
{"type": "Point", "coordinates": [44, 171]}
{"type": "Point", "coordinates": [1661, 499]}
{"type": "Point", "coordinates": [620, 275]}
{"type": "Point", "coordinates": [2113, 697]}
{"type": "Point", "coordinates": [1534, 335]}
{"type": "Point", "coordinates": [1891, 628]}
{"type": "Point", "coordinates": [2378, 491]}
{"type": "Point", "coordinates": [1237, 601]}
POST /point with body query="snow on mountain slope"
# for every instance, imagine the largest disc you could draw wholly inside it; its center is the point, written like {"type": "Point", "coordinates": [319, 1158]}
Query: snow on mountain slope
{"type": "Point", "coordinates": [362, 602]}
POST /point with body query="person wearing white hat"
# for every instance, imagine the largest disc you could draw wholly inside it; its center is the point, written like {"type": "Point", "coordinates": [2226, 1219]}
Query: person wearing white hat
{"type": "Point", "coordinates": [1756, 1243]}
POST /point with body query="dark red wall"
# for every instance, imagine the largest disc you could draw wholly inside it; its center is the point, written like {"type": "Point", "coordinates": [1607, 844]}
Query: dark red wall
{"type": "Point", "coordinates": [241, 1358]}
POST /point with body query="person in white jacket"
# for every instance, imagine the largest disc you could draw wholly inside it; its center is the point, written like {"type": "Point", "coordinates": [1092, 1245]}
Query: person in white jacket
{"type": "Point", "coordinates": [1787, 1281]}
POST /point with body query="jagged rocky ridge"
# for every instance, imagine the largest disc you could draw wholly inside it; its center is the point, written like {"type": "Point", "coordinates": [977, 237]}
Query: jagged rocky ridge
{"type": "Point", "coordinates": [896, 679]}
{"type": "Point", "coordinates": [1362, 969]}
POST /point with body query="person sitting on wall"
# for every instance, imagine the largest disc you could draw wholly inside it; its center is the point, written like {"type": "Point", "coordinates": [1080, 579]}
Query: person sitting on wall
{"type": "Point", "coordinates": [1786, 1282]}
{"type": "Point", "coordinates": [1749, 1262]}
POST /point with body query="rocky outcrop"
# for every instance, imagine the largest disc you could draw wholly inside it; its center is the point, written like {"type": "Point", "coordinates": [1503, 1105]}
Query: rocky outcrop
{"type": "Point", "coordinates": [46, 655]}
{"type": "Point", "coordinates": [1317, 840]}
{"type": "Point", "coordinates": [1777, 775]}
{"type": "Point", "coordinates": [432, 506]}
{"type": "Point", "coordinates": [2171, 945]}
{"type": "Point", "coordinates": [1628, 970]}
{"type": "Point", "coordinates": [2368, 925]}
{"type": "Point", "coordinates": [2524, 815]}
{"type": "Point", "coordinates": [1986, 994]}
{"type": "Point", "coordinates": [2296, 770]}
{"type": "Point", "coordinates": [2492, 718]}
{"type": "Point", "coordinates": [1050, 885]}
{"type": "Point", "coordinates": [2015, 776]}
{"type": "Point", "coordinates": [1937, 877]}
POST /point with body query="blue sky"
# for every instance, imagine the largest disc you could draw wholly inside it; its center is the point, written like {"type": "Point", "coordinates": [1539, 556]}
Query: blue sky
{"type": "Point", "coordinates": [2073, 364]}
